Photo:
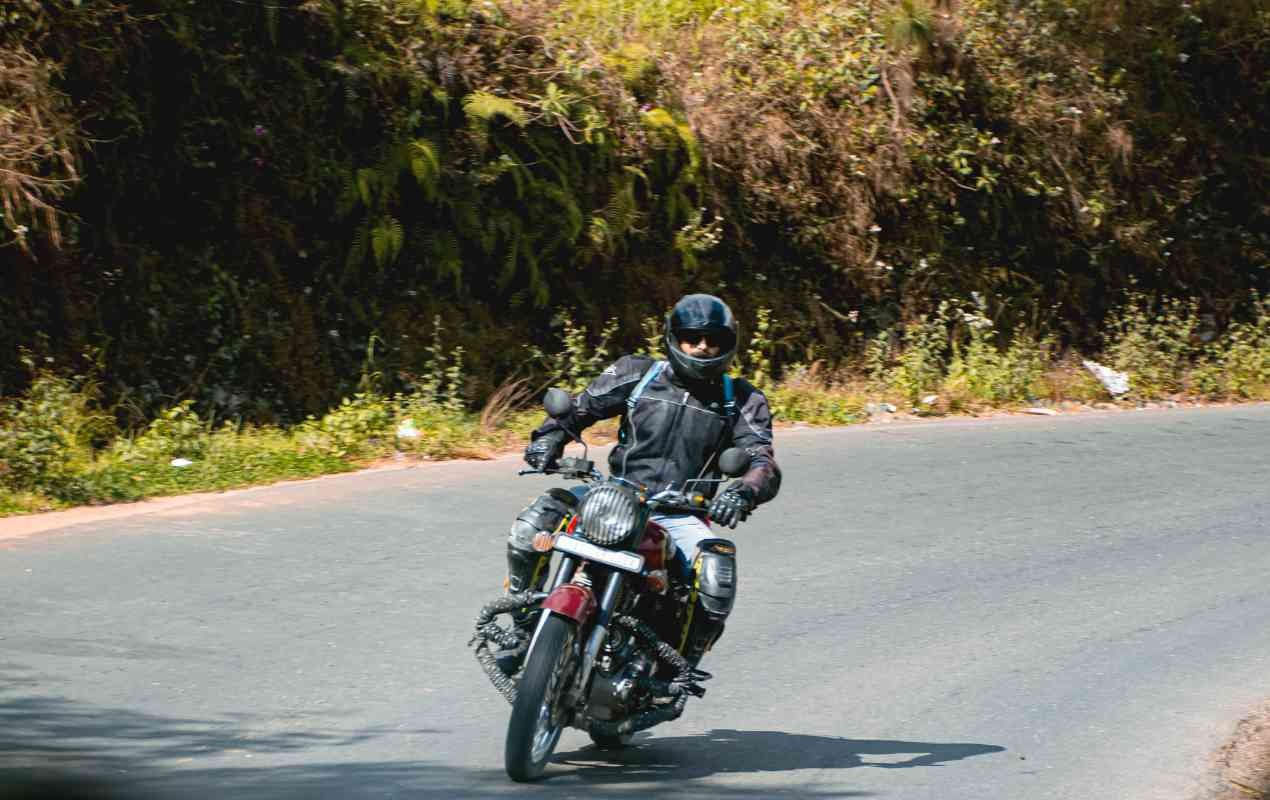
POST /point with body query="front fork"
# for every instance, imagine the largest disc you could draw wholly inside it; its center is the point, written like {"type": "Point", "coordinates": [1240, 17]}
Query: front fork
{"type": "Point", "coordinates": [577, 602]}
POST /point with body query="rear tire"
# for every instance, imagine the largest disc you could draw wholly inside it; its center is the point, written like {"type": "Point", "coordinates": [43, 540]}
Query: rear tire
{"type": "Point", "coordinates": [536, 721]}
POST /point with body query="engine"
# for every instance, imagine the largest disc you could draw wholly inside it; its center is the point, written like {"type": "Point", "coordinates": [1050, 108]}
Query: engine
{"type": "Point", "coordinates": [618, 671]}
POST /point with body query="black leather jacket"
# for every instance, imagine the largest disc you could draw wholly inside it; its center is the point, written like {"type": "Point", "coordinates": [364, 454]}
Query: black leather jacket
{"type": "Point", "coordinates": [675, 430]}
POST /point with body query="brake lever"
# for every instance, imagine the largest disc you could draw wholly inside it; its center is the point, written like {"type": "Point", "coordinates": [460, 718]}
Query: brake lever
{"type": "Point", "coordinates": [594, 474]}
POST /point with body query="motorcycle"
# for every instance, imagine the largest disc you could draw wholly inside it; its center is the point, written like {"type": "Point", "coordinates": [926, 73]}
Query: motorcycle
{"type": "Point", "coordinates": [600, 657]}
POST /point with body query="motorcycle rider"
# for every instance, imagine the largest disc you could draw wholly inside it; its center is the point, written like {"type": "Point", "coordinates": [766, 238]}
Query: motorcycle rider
{"type": "Point", "coordinates": [677, 416]}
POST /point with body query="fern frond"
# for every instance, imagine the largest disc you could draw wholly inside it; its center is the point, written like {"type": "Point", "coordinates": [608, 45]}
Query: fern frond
{"type": "Point", "coordinates": [465, 214]}
{"type": "Point", "coordinates": [486, 107]}
{"type": "Point", "coordinates": [662, 127]}
{"type": "Point", "coordinates": [425, 164]}
{"type": "Point", "coordinates": [509, 263]}
{"type": "Point", "coordinates": [348, 197]}
{"type": "Point", "coordinates": [520, 175]}
{"type": "Point", "coordinates": [563, 163]}
{"type": "Point", "coordinates": [356, 249]}
{"type": "Point", "coordinates": [599, 235]}
{"type": "Point", "coordinates": [637, 172]}
{"type": "Point", "coordinates": [678, 206]}
{"type": "Point", "coordinates": [540, 288]}
{"type": "Point", "coordinates": [513, 233]}
{"type": "Point", "coordinates": [487, 236]}
{"type": "Point", "coordinates": [380, 245]}
{"type": "Point", "coordinates": [565, 200]}
{"type": "Point", "coordinates": [621, 212]}
{"type": "Point", "coordinates": [396, 239]}
{"type": "Point", "coordinates": [441, 252]}
{"type": "Point", "coordinates": [367, 182]}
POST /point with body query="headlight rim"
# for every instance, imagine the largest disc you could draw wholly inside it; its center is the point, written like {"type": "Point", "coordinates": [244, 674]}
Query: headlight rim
{"type": "Point", "coordinates": [630, 519]}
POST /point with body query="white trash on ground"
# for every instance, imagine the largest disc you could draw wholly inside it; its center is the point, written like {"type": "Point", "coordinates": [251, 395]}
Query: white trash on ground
{"type": "Point", "coordinates": [180, 462]}
{"type": "Point", "coordinates": [1115, 382]}
{"type": "Point", "coordinates": [407, 430]}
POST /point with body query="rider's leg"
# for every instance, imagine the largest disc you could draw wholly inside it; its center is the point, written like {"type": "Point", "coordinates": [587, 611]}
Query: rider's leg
{"type": "Point", "coordinates": [526, 567]}
{"type": "Point", "coordinates": [711, 564]}
{"type": "Point", "coordinates": [716, 592]}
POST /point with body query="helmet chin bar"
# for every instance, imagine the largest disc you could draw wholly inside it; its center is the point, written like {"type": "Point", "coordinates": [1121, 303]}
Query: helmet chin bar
{"type": "Point", "coordinates": [700, 312]}
{"type": "Point", "coordinates": [691, 368]}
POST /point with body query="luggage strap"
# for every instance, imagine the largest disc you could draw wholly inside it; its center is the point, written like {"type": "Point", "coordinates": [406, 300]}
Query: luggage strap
{"type": "Point", "coordinates": [649, 377]}
{"type": "Point", "coordinates": [729, 397]}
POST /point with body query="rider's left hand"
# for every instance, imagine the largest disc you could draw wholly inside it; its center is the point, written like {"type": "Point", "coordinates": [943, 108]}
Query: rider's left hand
{"type": "Point", "coordinates": [732, 505]}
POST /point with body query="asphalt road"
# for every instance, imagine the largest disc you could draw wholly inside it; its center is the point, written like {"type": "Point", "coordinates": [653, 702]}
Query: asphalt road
{"type": "Point", "coordinates": [1020, 608]}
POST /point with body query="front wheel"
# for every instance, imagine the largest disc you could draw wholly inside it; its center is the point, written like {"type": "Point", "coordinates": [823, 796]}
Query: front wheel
{"type": "Point", "coordinates": [537, 716]}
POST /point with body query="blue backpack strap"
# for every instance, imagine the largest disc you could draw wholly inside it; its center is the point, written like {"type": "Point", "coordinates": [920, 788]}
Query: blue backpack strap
{"type": "Point", "coordinates": [729, 408]}
{"type": "Point", "coordinates": [648, 378]}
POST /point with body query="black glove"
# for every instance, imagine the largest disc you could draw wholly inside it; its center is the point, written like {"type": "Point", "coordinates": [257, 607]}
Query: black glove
{"type": "Point", "coordinates": [732, 505]}
{"type": "Point", "coordinates": [543, 451]}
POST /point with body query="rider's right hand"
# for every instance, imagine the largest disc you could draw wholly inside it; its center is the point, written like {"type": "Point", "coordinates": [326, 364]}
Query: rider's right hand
{"type": "Point", "coordinates": [543, 451]}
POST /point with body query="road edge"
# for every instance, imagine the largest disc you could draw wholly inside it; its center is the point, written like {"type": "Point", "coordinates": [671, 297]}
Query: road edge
{"type": "Point", "coordinates": [1241, 766]}
{"type": "Point", "coordinates": [26, 525]}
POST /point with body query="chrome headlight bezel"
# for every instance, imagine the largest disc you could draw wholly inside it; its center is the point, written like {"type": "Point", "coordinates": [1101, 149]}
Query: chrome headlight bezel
{"type": "Point", "coordinates": [611, 514]}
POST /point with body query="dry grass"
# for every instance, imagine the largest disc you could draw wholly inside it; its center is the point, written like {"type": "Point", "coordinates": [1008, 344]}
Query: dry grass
{"type": "Point", "coordinates": [39, 136]}
{"type": "Point", "coordinates": [509, 396]}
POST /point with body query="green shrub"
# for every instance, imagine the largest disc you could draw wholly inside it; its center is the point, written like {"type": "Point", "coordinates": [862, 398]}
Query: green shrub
{"type": "Point", "coordinates": [1246, 359]}
{"type": "Point", "coordinates": [577, 362]}
{"type": "Point", "coordinates": [982, 372]}
{"type": "Point", "coordinates": [47, 435]}
{"type": "Point", "coordinates": [801, 396]}
{"type": "Point", "coordinates": [176, 433]}
{"type": "Point", "coordinates": [1154, 346]}
{"type": "Point", "coordinates": [1237, 365]}
{"type": "Point", "coordinates": [1069, 381]}
{"type": "Point", "coordinates": [361, 425]}
{"type": "Point", "coordinates": [758, 357]}
{"type": "Point", "coordinates": [653, 336]}
{"type": "Point", "coordinates": [921, 364]}
{"type": "Point", "coordinates": [55, 446]}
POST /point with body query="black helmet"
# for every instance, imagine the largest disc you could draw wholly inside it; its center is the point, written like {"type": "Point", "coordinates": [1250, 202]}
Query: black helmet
{"type": "Point", "coordinates": [701, 313]}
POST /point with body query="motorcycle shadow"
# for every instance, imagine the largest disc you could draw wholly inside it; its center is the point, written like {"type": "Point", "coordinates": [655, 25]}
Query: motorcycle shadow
{"type": "Point", "coordinates": [732, 751]}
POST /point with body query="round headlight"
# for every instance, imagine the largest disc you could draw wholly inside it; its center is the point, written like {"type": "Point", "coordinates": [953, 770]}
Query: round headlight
{"type": "Point", "coordinates": [611, 513]}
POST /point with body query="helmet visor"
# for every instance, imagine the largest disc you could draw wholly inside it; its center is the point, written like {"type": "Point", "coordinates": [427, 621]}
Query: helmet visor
{"type": "Point", "coordinates": [713, 338]}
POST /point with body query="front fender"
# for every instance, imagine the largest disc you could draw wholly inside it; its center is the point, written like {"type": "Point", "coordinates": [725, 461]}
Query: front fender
{"type": "Point", "coordinates": [576, 602]}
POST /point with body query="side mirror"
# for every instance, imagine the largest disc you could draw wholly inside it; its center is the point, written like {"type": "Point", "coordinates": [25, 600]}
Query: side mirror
{"type": "Point", "coordinates": [734, 462]}
{"type": "Point", "coordinates": [558, 403]}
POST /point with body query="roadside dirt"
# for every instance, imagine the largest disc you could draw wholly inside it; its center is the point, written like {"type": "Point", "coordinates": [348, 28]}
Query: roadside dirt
{"type": "Point", "coordinates": [600, 435]}
{"type": "Point", "coordinates": [1241, 767]}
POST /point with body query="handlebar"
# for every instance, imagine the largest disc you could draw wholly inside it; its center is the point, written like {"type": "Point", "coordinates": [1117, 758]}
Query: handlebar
{"type": "Point", "coordinates": [576, 468]}
{"type": "Point", "coordinates": [667, 502]}
{"type": "Point", "coordinates": [680, 502]}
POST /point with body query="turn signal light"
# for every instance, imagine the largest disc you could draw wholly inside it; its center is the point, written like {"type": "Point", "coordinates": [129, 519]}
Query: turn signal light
{"type": "Point", "coordinates": [544, 541]}
{"type": "Point", "coordinates": [657, 580]}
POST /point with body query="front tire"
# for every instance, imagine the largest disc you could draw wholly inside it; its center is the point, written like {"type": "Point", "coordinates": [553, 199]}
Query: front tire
{"type": "Point", "coordinates": [536, 721]}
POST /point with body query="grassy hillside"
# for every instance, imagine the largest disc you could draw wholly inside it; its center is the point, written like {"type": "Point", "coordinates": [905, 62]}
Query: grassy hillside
{"type": "Point", "coordinates": [243, 204]}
